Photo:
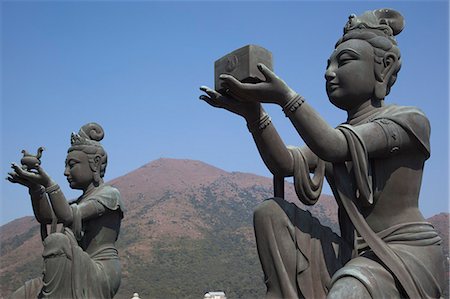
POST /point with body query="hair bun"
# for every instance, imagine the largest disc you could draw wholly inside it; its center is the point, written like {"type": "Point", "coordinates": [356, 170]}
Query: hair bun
{"type": "Point", "coordinates": [387, 21]}
{"type": "Point", "coordinates": [392, 18]}
{"type": "Point", "coordinates": [92, 131]}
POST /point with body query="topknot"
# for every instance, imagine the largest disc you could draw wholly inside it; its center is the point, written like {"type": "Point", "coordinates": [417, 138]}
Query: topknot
{"type": "Point", "coordinates": [89, 134]}
{"type": "Point", "coordinates": [386, 21]}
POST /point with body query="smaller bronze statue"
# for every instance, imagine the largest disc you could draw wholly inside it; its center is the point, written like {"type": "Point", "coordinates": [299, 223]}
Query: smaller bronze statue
{"type": "Point", "coordinates": [81, 261]}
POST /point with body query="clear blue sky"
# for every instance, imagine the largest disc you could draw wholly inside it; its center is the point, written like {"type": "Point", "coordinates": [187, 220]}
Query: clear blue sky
{"type": "Point", "coordinates": [135, 68]}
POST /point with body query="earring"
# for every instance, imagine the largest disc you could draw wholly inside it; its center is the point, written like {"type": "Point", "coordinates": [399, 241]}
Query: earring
{"type": "Point", "coordinates": [96, 178]}
{"type": "Point", "coordinates": [380, 90]}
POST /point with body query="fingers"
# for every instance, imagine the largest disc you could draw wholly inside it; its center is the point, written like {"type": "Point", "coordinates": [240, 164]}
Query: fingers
{"type": "Point", "coordinates": [23, 173]}
{"type": "Point", "coordinates": [210, 92]}
{"type": "Point", "coordinates": [214, 98]}
{"type": "Point", "coordinates": [14, 178]}
{"type": "Point", "coordinates": [231, 82]}
{"type": "Point", "coordinates": [268, 74]}
{"type": "Point", "coordinates": [40, 170]}
{"type": "Point", "coordinates": [19, 170]}
{"type": "Point", "coordinates": [235, 96]}
{"type": "Point", "coordinates": [210, 101]}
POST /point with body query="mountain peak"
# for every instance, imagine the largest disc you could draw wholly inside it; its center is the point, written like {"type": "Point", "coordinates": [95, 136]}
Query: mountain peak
{"type": "Point", "coordinates": [158, 175]}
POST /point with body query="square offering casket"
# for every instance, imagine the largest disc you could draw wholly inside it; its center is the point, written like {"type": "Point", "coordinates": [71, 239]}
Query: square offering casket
{"type": "Point", "coordinates": [242, 64]}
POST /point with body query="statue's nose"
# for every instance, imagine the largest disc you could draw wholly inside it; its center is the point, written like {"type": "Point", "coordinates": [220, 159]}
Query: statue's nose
{"type": "Point", "coordinates": [329, 74]}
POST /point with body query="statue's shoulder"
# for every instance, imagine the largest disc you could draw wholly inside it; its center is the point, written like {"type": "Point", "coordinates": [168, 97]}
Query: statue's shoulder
{"type": "Point", "coordinates": [412, 120]}
{"type": "Point", "coordinates": [109, 197]}
{"type": "Point", "coordinates": [110, 190]}
{"type": "Point", "coordinates": [394, 111]}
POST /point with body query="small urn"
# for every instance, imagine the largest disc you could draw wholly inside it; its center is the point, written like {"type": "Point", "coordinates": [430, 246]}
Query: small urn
{"type": "Point", "coordinates": [29, 161]}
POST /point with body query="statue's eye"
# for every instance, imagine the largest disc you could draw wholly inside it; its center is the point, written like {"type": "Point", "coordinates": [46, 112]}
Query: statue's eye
{"type": "Point", "coordinates": [345, 58]}
{"type": "Point", "coordinates": [71, 163]}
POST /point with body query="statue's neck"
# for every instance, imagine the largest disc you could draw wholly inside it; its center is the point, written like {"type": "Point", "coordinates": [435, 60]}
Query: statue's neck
{"type": "Point", "coordinates": [91, 189]}
{"type": "Point", "coordinates": [363, 111]}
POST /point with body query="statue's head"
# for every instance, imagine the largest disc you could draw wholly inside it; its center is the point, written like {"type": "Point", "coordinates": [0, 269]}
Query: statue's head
{"type": "Point", "coordinates": [86, 159]}
{"type": "Point", "coordinates": [366, 59]}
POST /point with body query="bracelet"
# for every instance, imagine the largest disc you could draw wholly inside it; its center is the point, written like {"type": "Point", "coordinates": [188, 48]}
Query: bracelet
{"type": "Point", "coordinates": [260, 124]}
{"type": "Point", "coordinates": [52, 188]}
{"type": "Point", "coordinates": [293, 104]}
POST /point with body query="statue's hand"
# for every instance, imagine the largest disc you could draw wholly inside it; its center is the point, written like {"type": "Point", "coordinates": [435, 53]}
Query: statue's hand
{"type": "Point", "coordinates": [272, 90]}
{"type": "Point", "coordinates": [245, 109]}
{"type": "Point", "coordinates": [38, 177]}
{"type": "Point", "coordinates": [13, 177]}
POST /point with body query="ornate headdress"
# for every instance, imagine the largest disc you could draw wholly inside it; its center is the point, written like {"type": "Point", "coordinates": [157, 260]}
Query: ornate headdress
{"type": "Point", "coordinates": [379, 28]}
{"type": "Point", "coordinates": [87, 140]}
{"type": "Point", "coordinates": [89, 135]}
{"type": "Point", "coordinates": [385, 21]}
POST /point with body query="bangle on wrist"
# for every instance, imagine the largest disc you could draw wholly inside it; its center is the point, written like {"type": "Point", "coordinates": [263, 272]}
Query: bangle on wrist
{"type": "Point", "coordinates": [52, 188]}
{"type": "Point", "coordinates": [293, 104]}
{"type": "Point", "coordinates": [262, 123]}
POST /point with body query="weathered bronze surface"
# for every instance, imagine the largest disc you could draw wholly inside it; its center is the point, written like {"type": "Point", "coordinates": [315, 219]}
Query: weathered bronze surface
{"type": "Point", "coordinates": [242, 64]}
{"type": "Point", "coordinates": [373, 163]}
{"type": "Point", "coordinates": [81, 260]}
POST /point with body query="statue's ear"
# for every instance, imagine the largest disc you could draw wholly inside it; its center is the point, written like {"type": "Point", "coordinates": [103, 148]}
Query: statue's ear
{"type": "Point", "coordinates": [97, 163]}
{"type": "Point", "coordinates": [97, 169]}
{"type": "Point", "coordinates": [390, 61]}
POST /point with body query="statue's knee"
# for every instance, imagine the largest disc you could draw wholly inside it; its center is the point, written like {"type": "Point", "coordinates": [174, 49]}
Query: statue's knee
{"type": "Point", "coordinates": [57, 244]}
{"type": "Point", "coordinates": [18, 294]}
{"type": "Point", "coordinates": [266, 210]}
{"type": "Point", "coordinates": [270, 216]}
{"type": "Point", "coordinates": [348, 287]}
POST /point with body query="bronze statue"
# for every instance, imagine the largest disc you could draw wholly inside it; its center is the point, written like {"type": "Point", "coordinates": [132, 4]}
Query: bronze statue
{"type": "Point", "coordinates": [373, 162]}
{"type": "Point", "coordinates": [81, 261]}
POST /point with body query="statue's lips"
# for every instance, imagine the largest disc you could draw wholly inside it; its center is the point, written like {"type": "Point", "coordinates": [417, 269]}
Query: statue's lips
{"type": "Point", "coordinates": [332, 86]}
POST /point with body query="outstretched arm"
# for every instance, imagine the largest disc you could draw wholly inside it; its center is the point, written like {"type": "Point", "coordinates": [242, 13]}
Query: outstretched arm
{"type": "Point", "coordinates": [271, 147]}
{"type": "Point", "coordinates": [381, 137]}
{"type": "Point", "coordinates": [39, 200]}
{"type": "Point", "coordinates": [326, 142]}
{"type": "Point", "coordinates": [58, 201]}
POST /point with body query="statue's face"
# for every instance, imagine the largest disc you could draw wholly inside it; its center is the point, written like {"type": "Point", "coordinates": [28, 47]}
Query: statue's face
{"type": "Point", "coordinates": [78, 171]}
{"type": "Point", "coordinates": [350, 77]}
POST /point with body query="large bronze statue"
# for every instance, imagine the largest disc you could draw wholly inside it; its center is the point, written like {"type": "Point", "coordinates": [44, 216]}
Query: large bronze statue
{"type": "Point", "coordinates": [81, 261]}
{"type": "Point", "coordinates": [373, 162]}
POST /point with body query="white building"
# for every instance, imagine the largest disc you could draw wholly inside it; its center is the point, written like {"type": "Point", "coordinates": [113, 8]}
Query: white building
{"type": "Point", "coordinates": [215, 295]}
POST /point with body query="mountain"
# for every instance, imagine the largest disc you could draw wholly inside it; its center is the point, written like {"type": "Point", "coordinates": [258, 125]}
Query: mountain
{"type": "Point", "coordinates": [187, 230]}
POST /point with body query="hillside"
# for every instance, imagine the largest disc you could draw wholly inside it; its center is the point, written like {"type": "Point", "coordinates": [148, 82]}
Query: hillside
{"type": "Point", "coordinates": [187, 230]}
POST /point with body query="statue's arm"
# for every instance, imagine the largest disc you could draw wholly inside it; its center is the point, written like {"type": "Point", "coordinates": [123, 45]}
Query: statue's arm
{"type": "Point", "coordinates": [88, 209]}
{"type": "Point", "coordinates": [275, 154]}
{"type": "Point", "coordinates": [271, 147]}
{"type": "Point", "coordinates": [382, 137]}
{"type": "Point", "coordinates": [60, 205]}
{"type": "Point", "coordinates": [41, 207]}
{"type": "Point", "coordinates": [326, 142]}
{"type": "Point", "coordinates": [91, 209]}
{"type": "Point", "coordinates": [39, 201]}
